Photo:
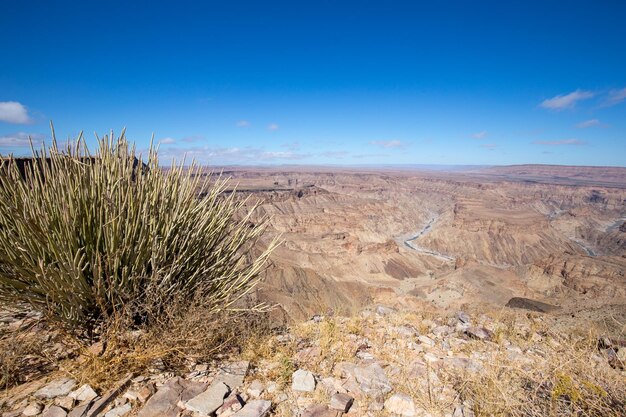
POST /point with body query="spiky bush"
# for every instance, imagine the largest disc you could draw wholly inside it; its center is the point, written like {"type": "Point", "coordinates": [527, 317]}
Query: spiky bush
{"type": "Point", "coordinates": [83, 236]}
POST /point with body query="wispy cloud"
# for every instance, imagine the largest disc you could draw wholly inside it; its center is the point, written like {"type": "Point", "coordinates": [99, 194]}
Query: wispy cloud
{"type": "Point", "coordinates": [292, 146]}
{"type": "Point", "coordinates": [480, 135]}
{"type": "Point", "coordinates": [614, 97]}
{"type": "Point", "coordinates": [273, 126]}
{"type": "Point", "coordinates": [388, 143]}
{"type": "Point", "coordinates": [209, 154]}
{"type": "Point", "coordinates": [21, 140]}
{"type": "Point", "coordinates": [561, 142]}
{"type": "Point", "coordinates": [167, 141]}
{"type": "Point", "coordinates": [588, 123]}
{"type": "Point", "coordinates": [191, 139]}
{"type": "Point", "coordinates": [489, 146]}
{"type": "Point", "coordinates": [335, 154]}
{"type": "Point", "coordinates": [370, 155]}
{"type": "Point", "coordinates": [243, 123]}
{"type": "Point", "coordinates": [566, 101]}
{"type": "Point", "coordinates": [14, 112]}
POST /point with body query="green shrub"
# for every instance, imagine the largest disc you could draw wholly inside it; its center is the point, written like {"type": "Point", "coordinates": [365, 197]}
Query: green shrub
{"type": "Point", "coordinates": [83, 237]}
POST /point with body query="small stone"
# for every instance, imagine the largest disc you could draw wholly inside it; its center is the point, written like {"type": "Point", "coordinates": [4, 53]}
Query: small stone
{"type": "Point", "coordinates": [66, 403]}
{"type": "Point", "coordinates": [256, 388]}
{"type": "Point", "coordinates": [463, 317]}
{"type": "Point", "coordinates": [32, 409]}
{"type": "Point", "coordinates": [426, 340]}
{"type": "Point", "coordinates": [617, 359]}
{"type": "Point", "coordinates": [256, 408]}
{"type": "Point", "coordinates": [131, 394]}
{"type": "Point", "coordinates": [120, 401]}
{"type": "Point", "coordinates": [384, 311]}
{"type": "Point", "coordinates": [57, 388]}
{"type": "Point", "coordinates": [96, 349]}
{"type": "Point", "coordinates": [232, 404]}
{"type": "Point", "coordinates": [440, 331]}
{"type": "Point", "coordinates": [479, 333]}
{"type": "Point", "coordinates": [201, 367]}
{"type": "Point", "coordinates": [119, 411]}
{"type": "Point", "coordinates": [145, 392]}
{"type": "Point", "coordinates": [366, 356]}
{"type": "Point", "coordinates": [210, 400]}
{"type": "Point", "coordinates": [272, 387]}
{"type": "Point", "coordinates": [281, 398]}
{"type": "Point", "coordinates": [302, 380]}
{"type": "Point", "coordinates": [84, 393]}
{"type": "Point", "coordinates": [401, 405]}
{"type": "Point", "coordinates": [54, 411]}
{"type": "Point", "coordinates": [341, 402]}
{"type": "Point", "coordinates": [318, 410]}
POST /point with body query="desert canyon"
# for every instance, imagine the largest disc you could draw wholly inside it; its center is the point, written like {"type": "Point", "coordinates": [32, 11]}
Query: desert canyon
{"type": "Point", "coordinates": [405, 237]}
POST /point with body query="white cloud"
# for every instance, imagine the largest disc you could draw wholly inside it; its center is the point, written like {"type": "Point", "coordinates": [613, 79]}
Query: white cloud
{"type": "Point", "coordinates": [480, 135]}
{"type": "Point", "coordinates": [13, 112]}
{"type": "Point", "coordinates": [229, 155]}
{"type": "Point", "coordinates": [588, 123]}
{"type": "Point", "coordinates": [243, 123]}
{"type": "Point", "coordinates": [559, 142]}
{"type": "Point", "coordinates": [388, 143]}
{"type": "Point", "coordinates": [273, 126]}
{"type": "Point", "coordinates": [615, 97]}
{"type": "Point", "coordinates": [168, 141]}
{"type": "Point", "coordinates": [566, 101]}
{"type": "Point", "coordinates": [21, 140]}
{"type": "Point", "coordinates": [335, 154]}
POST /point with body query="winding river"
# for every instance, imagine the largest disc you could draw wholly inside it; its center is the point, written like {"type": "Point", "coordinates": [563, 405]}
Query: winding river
{"type": "Point", "coordinates": [410, 242]}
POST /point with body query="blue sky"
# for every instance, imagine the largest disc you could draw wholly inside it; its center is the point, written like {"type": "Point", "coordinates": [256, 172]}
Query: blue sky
{"type": "Point", "coordinates": [322, 82]}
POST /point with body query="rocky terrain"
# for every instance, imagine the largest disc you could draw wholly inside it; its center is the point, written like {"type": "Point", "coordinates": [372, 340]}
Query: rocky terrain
{"type": "Point", "coordinates": [380, 362]}
{"type": "Point", "coordinates": [354, 237]}
{"type": "Point", "coordinates": [396, 293]}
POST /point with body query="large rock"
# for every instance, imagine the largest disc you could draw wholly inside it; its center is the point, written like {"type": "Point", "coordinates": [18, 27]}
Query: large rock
{"type": "Point", "coordinates": [256, 408]}
{"type": "Point", "coordinates": [57, 388]}
{"type": "Point", "coordinates": [84, 393]}
{"type": "Point", "coordinates": [529, 304]}
{"type": "Point", "coordinates": [54, 411]}
{"type": "Point", "coordinates": [120, 411]}
{"type": "Point", "coordinates": [401, 405]}
{"type": "Point", "coordinates": [341, 402]}
{"type": "Point", "coordinates": [372, 379]}
{"type": "Point", "coordinates": [302, 380]}
{"type": "Point", "coordinates": [233, 374]}
{"type": "Point", "coordinates": [32, 409]}
{"type": "Point", "coordinates": [80, 410]}
{"type": "Point", "coordinates": [164, 402]}
{"type": "Point", "coordinates": [210, 400]}
{"type": "Point", "coordinates": [317, 410]}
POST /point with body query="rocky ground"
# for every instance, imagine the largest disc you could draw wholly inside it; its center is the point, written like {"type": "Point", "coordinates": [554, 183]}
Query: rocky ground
{"type": "Point", "coordinates": [381, 362]}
